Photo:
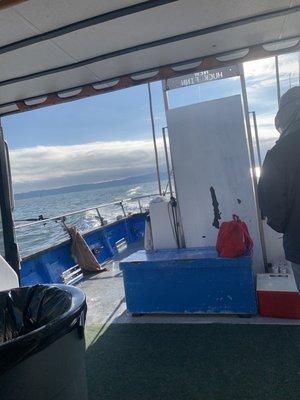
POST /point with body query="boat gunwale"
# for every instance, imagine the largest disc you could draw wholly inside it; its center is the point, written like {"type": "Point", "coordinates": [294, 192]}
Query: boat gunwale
{"type": "Point", "coordinates": [84, 234]}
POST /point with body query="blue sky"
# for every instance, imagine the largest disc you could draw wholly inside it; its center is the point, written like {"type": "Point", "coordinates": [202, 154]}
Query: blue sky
{"type": "Point", "coordinates": [109, 136]}
{"type": "Point", "coordinates": [114, 116]}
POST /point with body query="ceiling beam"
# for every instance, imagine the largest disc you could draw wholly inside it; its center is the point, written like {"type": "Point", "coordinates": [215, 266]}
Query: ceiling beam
{"type": "Point", "coordinates": [99, 19]}
{"type": "Point", "coordinates": [156, 43]}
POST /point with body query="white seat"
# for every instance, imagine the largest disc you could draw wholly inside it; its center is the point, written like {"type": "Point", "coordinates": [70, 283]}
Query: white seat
{"type": "Point", "coordinates": [8, 277]}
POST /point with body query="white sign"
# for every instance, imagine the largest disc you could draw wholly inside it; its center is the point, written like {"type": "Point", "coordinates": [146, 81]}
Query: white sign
{"type": "Point", "coordinates": [202, 77]}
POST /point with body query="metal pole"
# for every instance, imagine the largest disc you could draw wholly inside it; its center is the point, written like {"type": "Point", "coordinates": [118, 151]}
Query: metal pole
{"type": "Point", "coordinates": [277, 79]}
{"type": "Point", "coordinates": [154, 138]}
{"type": "Point", "coordinates": [65, 226]}
{"type": "Point", "coordinates": [180, 229]}
{"type": "Point", "coordinates": [256, 138]}
{"type": "Point", "coordinates": [167, 160]}
{"type": "Point", "coordinates": [100, 217]}
{"type": "Point", "coordinates": [140, 206]}
{"type": "Point", "coordinates": [252, 161]}
{"type": "Point", "coordinates": [123, 209]}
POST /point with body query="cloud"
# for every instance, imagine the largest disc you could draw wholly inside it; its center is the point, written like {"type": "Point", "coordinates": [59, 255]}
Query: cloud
{"type": "Point", "coordinates": [262, 91]}
{"type": "Point", "coordinates": [53, 166]}
{"type": "Point", "coordinates": [261, 74]}
{"type": "Point", "coordinates": [258, 68]}
{"type": "Point", "coordinates": [288, 64]}
{"type": "Point", "coordinates": [266, 127]}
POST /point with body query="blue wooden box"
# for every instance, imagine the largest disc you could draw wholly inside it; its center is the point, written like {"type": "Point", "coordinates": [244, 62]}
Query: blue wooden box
{"type": "Point", "coordinates": [188, 281]}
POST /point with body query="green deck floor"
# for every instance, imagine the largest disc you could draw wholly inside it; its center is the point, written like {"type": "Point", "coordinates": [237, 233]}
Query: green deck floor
{"type": "Point", "coordinates": [211, 362]}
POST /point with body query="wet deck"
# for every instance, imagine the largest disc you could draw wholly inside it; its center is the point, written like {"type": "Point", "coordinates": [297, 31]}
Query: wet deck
{"type": "Point", "coordinates": [106, 302]}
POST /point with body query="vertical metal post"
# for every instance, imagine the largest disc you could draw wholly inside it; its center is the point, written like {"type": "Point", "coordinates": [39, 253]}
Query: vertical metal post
{"type": "Point", "coordinates": [166, 103]}
{"type": "Point", "coordinates": [65, 226]}
{"type": "Point", "coordinates": [167, 160]}
{"type": "Point", "coordinates": [180, 229]}
{"type": "Point", "coordinates": [140, 206]}
{"type": "Point", "coordinates": [154, 138]}
{"type": "Point", "coordinates": [252, 161]}
{"type": "Point", "coordinates": [100, 217]}
{"type": "Point", "coordinates": [277, 79]}
{"type": "Point", "coordinates": [165, 94]}
{"type": "Point", "coordinates": [123, 209]}
{"type": "Point", "coordinates": [256, 138]}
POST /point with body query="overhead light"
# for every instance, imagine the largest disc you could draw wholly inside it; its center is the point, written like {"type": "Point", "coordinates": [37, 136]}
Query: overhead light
{"type": "Point", "coordinates": [8, 108]}
{"type": "Point", "coordinates": [144, 75]}
{"type": "Point", "coordinates": [35, 101]}
{"type": "Point", "coordinates": [234, 55]}
{"type": "Point", "coordinates": [283, 44]}
{"type": "Point", "coordinates": [183, 67]}
{"type": "Point", "coordinates": [105, 85]}
{"type": "Point", "coordinates": [69, 93]}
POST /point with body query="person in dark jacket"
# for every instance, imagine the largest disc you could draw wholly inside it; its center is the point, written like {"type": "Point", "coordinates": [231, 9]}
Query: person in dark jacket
{"type": "Point", "coordinates": [279, 184]}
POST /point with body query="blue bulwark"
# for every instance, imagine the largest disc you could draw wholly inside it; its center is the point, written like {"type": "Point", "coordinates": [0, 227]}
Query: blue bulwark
{"type": "Point", "coordinates": [188, 281]}
{"type": "Point", "coordinates": [48, 265]}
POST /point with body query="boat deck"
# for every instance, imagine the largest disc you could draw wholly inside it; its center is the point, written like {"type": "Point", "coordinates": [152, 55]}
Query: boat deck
{"type": "Point", "coordinates": [184, 357]}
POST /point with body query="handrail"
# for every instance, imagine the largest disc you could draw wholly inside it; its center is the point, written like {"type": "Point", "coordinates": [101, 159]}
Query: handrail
{"type": "Point", "coordinates": [63, 216]}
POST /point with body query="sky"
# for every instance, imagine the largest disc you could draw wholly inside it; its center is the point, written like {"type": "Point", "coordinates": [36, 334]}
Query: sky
{"type": "Point", "coordinates": [109, 136]}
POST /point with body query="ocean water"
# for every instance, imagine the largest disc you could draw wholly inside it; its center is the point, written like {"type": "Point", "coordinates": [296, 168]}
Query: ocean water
{"type": "Point", "coordinates": [34, 238]}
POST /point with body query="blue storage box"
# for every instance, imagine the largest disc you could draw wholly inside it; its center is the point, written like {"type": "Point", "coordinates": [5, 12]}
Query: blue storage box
{"type": "Point", "coordinates": [188, 281]}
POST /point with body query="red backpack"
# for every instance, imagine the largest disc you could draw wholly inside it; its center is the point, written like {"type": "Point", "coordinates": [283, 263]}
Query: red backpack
{"type": "Point", "coordinates": [234, 239]}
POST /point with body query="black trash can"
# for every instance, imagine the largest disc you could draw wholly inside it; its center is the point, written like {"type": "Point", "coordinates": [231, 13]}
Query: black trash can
{"type": "Point", "coordinates": [42, 344]}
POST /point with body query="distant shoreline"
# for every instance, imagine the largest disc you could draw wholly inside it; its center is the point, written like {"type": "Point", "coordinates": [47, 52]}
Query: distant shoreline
{"type": "Point", "coordinates": [87, 186]}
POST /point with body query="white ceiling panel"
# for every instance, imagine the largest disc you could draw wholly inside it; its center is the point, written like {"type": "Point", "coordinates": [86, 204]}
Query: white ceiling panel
{"type": "Point", "coordinates": [291, 26]}
{"type": "Point", "coordinates": [32, 59]}
{"type": "Point", "coordinates": [36, 16]}
{"type": "Point", "coordinates": [13, 27]}
{"type": "Point", "coordinates": [51, 14]}
{"type": "Point", "coordinates": [158, 23]}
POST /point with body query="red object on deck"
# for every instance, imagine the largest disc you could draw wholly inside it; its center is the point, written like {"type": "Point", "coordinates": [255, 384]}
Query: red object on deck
{"type": "Point", "coordinates": [278, 296]}
{"type": "Point", "coordinates": [234, 239]}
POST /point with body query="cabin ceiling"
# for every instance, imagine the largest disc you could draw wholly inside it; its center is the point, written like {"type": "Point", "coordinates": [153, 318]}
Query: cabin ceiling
{"type": "Point", "coordinates": [59, 50]}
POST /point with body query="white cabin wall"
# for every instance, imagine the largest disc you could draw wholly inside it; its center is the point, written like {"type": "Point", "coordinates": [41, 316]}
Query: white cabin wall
{"type": "Point", "coordinates": [209, 148]}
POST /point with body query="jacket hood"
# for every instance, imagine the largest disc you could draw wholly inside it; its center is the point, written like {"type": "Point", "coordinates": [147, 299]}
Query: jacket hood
{"type": "Point", "coordinates": [288, 116]}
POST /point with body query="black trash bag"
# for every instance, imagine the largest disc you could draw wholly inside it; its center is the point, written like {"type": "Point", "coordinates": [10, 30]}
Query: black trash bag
{"type": "Point", "coordinates": [33, 317]}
